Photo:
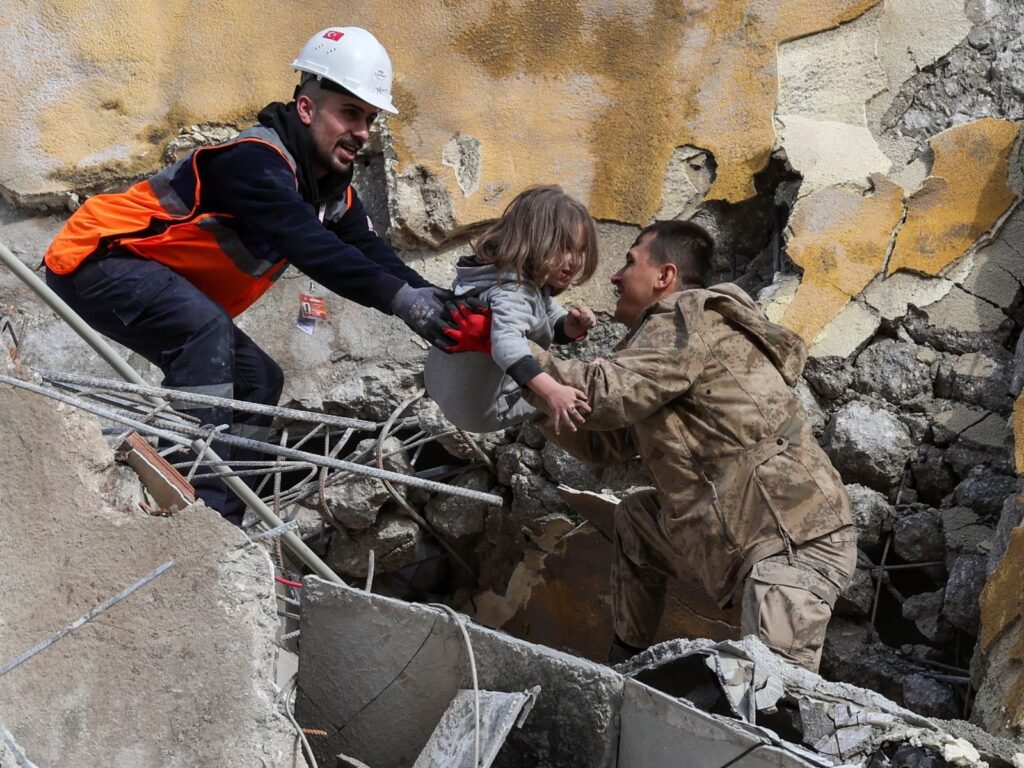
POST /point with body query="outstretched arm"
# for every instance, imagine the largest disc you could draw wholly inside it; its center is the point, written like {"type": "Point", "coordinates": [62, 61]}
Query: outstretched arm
{"type": "Point", "coordinates": [630, 386]}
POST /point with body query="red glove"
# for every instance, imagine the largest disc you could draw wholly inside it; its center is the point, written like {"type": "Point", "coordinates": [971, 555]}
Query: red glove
{"type": "Point", "coordinates": [472, 331]}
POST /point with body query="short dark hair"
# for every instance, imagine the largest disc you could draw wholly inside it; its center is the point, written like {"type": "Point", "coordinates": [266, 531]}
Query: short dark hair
{"type": "Point", "coordinates": [314, 87]}
{"type": "Point", "coordinates": [685, 244]}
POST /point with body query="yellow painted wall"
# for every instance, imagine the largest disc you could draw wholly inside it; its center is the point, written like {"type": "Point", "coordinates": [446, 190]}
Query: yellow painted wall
{"type": "Point", "coordinates": [589, 94]}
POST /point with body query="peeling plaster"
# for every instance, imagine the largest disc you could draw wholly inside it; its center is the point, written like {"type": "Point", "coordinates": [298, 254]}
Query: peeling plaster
{"type": "Point", "coordinates": [965, 195]}
{"type": "Point", "coordinates": [831, 75]}
{"type": "Point", "coordinates": [826, 153]}
{"type": "Point", "coordinates": [848, 333]}
{"type": "Point", "coordinates": [462, 154]}
{"type": "Point", "coordinates": [1002, 607]}
{"type": "Point", "coordinates": [840, 237]}
{"type": "Point", "coordinates": [890, 296]}
{"type": "Point", "coordinates": [916, 33]}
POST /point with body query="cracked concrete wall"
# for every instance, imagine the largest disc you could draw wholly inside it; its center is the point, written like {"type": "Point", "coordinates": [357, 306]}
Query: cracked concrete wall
{"type": "Point", "coordinates": [180, 673]}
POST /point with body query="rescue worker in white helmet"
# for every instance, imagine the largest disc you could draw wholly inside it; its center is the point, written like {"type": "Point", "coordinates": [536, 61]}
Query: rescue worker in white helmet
{"type": "Point", "coordinates": [165, 266]}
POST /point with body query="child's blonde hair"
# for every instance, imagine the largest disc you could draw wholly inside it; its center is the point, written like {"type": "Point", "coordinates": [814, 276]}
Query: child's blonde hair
{"type": "Point", "coordinates": [536, 229]}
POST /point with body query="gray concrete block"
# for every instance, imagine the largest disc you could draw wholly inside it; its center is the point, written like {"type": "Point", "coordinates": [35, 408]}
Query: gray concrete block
{"type": "Point", "coordinates": [377, 674]}
{"type": "Point", "coordinates": [179, 673]}
{"type": "Point", "coordinates": [659, 731]}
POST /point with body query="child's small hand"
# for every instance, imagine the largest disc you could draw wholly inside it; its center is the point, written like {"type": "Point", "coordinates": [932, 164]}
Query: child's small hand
{"type": "Point", "coordinates": [568, 405]}
{"type": "Point", "coordinates": [579, 320]}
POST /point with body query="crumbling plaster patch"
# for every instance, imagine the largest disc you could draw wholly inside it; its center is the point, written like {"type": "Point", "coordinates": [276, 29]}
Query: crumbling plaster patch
{"type": "Point", "coordinates": [831, 75]}
{"type": "Point", "coordinates": [841, 236]}
{"type": "Point", "coordinates": [965, 195]}
{"type": "Point", "coordinates": [1002, 607]}
{"type": "Point", "coordinates": [827, 153]}
{"type": "Point", "coordinates": [825, 80]}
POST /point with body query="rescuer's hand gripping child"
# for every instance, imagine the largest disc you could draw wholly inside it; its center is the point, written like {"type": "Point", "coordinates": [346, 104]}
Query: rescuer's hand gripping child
{"type": "Point", "coordinates": [543, 243]}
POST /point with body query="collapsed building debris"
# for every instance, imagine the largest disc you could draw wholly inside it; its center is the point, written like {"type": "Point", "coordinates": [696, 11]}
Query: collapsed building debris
{"type": "Point", "coordinates": [716, 703]}
{"type": "Point", "coordinates": [888, 145]}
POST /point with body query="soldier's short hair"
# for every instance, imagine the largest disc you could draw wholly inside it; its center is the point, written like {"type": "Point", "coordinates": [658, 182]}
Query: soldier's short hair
{"type": "Point", "coordinates": [687, 245]}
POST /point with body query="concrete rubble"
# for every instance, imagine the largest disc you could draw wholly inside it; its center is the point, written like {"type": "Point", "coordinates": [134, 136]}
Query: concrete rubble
{"type": "Point", "coordinates": [713, 702]}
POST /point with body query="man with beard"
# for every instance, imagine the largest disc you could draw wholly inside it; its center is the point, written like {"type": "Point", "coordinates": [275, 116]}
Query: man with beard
{"type": "Point", "coordinates": [165, 266]}
{"type": "Point", "coordinates": [745, 500]}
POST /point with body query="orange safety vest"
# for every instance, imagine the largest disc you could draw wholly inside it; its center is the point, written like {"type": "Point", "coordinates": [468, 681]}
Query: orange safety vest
{"type": "Point", "coordinates": [152, 221]}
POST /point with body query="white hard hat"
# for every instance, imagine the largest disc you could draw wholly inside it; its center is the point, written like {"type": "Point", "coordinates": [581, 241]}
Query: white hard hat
{"type": "Point", "coordinates": [352, 58]}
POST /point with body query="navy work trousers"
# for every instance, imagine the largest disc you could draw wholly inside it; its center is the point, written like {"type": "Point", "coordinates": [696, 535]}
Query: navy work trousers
{"type": "Point", "coordinates": [159, 314]}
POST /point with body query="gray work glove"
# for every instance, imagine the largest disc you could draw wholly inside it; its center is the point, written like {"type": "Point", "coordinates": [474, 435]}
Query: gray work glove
{"type": "Point", "coordinates": [427, 311]}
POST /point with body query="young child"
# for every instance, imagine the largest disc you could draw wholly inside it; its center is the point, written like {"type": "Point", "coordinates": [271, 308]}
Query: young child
{"type": "Point", "coordinates": [543, 243]}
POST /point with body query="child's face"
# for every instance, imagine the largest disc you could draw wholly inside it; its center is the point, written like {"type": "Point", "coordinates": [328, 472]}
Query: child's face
{"type": "Point", "coordinates": [562, 277]}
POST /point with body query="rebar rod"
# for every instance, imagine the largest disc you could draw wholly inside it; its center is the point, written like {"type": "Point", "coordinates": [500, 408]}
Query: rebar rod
{"type": "Point", "coordinates": [107, 604]}
{"type": "Point", "coordinates": [19, 754]}
{"type": "Point", "coordinates": [256, 445]}
{"type": "Point", "coordinates": [177, 395]}
{"type": "Point", "coordinates": [125, 371]}
{"type": "Point", "coordinates": [138, 406]}
{"type": "Point", "coordinates": [421, 521]}
{"type": "Point", "coordinates": [298, 466]}
{"type": "Point", "coordinates": [273, 533]}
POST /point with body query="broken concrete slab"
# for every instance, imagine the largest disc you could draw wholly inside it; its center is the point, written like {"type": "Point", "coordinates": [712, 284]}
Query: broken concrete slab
{"type": "Point", "coordinates": [657, 730]}
{"type": "Point", "coordinates": [856, 722]}
{"type": "Point", "coordinates": [475, 722]}
{"type": "Point", "coordinates": [989, 280]}
{"type": "Point", "coordinates": [458, 518]}
{"type": "Point", "coordinates": [893, 370]}
{"type": "Point", "coordinates": [179, 673]}
{"type": "Point", "coordinates": [966, 580]}
{"type": "Point", "coordinates": [872, 514]}
{"type": "Point", "coordinates": [404, 663]}
{"type": "Point", "coordinates": [890, 295]}
{"type": "Point", "coordinates": [868, 445]}
{"type": "Point", "coordinates": [395, 539]}
{"type": "Point", "coordinates": [959, 323]}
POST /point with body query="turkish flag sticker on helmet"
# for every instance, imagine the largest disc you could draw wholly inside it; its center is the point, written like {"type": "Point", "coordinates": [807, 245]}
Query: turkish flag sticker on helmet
{"type": "Point", "coordinates": [334, 34]}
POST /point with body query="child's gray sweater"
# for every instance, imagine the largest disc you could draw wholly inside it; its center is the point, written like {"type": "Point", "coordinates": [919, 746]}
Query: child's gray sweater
{"type": "Point", "coordinates": [479, 392]}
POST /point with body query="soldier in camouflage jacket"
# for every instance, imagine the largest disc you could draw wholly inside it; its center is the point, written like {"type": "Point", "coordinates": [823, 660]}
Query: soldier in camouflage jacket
{"type": "Point", "coordinates": [745, 500]}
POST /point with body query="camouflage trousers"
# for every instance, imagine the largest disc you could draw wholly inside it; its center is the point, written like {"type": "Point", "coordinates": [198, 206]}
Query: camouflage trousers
{"type": "Point", "coordinates": [787, 598]}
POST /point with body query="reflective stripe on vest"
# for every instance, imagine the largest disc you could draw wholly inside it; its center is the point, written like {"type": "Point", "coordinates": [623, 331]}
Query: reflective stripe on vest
{"type": "Point", "coordinates": [151, 220]}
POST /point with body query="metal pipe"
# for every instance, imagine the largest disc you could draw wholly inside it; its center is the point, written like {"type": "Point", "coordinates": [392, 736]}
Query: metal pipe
{"type": "Point", "coordinates": [98, 343]}
{"type": "Point", "coordinates": [221, 402]}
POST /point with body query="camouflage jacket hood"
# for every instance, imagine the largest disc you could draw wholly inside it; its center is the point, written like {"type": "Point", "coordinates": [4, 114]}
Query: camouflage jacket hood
{"type": "Point", "coordinates": [784, 348]}
{"type": "Point", "coordinates": [700, 388]}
